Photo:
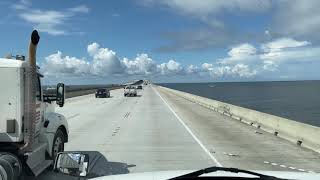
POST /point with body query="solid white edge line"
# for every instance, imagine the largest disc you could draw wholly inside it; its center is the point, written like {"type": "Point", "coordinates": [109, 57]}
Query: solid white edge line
{"type": "Point", "coordinates": [190, 132]}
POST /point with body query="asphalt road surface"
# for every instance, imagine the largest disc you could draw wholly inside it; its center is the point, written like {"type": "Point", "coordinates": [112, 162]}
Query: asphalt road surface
{"type": "Point", "coordinates": [158, 131]}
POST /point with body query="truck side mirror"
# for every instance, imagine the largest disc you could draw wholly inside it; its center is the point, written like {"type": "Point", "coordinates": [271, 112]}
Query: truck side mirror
{"type": "Point", "coordinates": [72, 163]}
{"type": "Point", "coordinates": [60, 94]}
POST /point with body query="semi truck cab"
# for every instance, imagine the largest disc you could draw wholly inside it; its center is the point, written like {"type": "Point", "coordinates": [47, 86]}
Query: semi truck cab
{"type": "Point", "coordinates": [31, 132]}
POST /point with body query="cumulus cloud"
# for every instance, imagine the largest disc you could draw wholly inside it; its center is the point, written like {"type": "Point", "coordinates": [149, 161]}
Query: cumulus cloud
{"type": "Point", "coordinates": [105, 61]}
{"type": "Point", "coordinates": [241, 53]}
{"type": "Point", "coordinates": [270, 66]}
{"type": "Point", "coordinates": [288, 49]}
{"type": "Point", "coordinates": [242, 50]}
{"type": "Point", "coordinates": [242, 61]}
{"type": "Point", "coordinates": [271, 55]}
{"type": "Point", "coordinates": [237, 70]}
{"type": "Point", "coordinates": [192, 69]}
{"type": "Point", "coordinates": [206, 67]}
{"type": "Point", "coordinates": [58, 65]}
{"type": "Point", "coordinates": [171, 67]}
{"type": "Point", "coordinates": [93, 48]}
{"type": "Point", "coordinates": [243, 70]}
{"type": "Point", "coordinates": [141, 65]}
{"type": "Point", "coordinates": [283, 43]}
{"type": "Point", "coordinates": [245, 60]}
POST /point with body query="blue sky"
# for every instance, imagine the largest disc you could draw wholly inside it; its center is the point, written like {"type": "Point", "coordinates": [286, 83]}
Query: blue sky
{"type": "Point", "coordinates": [166, 41]}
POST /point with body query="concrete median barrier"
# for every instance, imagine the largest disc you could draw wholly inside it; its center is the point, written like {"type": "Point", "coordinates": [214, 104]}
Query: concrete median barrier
{"type": "Point", "coordinates": [304, 135]}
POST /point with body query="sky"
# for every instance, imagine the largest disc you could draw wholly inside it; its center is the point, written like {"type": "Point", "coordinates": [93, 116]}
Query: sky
{"type": "Point", "coordinates": [103, 42]}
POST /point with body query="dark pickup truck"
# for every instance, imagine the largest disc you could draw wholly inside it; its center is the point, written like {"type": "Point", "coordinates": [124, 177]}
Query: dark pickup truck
{"type": "Point", "coordinates": [104, 93]}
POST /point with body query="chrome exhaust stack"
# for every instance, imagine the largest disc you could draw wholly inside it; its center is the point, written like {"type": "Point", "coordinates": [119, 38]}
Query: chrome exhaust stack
{"type": "Point", "coordinates": [30, 95]}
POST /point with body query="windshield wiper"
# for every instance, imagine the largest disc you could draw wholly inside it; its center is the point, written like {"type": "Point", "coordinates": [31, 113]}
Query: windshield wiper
{"type": "Point", "coordinates": [233, 170]}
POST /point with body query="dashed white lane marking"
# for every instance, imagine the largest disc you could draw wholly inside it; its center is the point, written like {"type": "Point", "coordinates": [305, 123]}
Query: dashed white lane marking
{"type": "Point", "coordinates": [289, 167]}
{"type": "Point", "coordinates": [190, 132]}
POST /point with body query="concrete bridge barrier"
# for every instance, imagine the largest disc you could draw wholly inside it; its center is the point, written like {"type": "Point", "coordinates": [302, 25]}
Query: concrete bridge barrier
{"type": "Point", "coordinates": [304, 135]}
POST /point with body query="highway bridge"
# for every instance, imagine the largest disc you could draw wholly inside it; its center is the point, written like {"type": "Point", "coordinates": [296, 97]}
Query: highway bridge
{"type": "Point", "coordinates": [158, 130]}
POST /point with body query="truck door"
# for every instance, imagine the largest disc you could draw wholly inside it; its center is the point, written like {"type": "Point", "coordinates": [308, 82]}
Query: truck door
{"type": "Point", "coordinates": [39, 108]}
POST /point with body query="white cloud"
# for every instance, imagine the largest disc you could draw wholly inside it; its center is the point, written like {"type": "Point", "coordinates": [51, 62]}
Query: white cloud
{"type": "Point", "coordinates": [241, 53]}
{"type": "Point", "coordinates": [21, 5]}
{"type": "Point", "coordinates": [243, 70]}
{"type": "Point", "coordinates": [290, 56]}
{"type": "Point", "coordinates": [206, 67]}
{"type": "Point", "coordinates": [242, 50]}
{"type": "Point", "coordinates": [141, 65]}
{"type": "Point", "coordinates": [171, 67]}
{"type": "Point", "coordinates": [46, 21]}
{"type": "Point", "coordinates": [283, 43]}
{"type": "Point", "coordinates": [58, 65]}
{"type": "Point", "coordinates": [271, 56]}
{"type": "Point", "coordinates": [192, 69]}
{"type": "Point", "coordinates": [238, 70]}
{"type": "Point", "coordinates": [105, 61]}
{"type": "Point", "coordinates": [93, 48]}
{"type": "Point", "coordinates": [80, 9]}
{"type": "Point", "coordinates": [50, 21]}
{"type": "Point", "coordinates": [288, 49]}
{"type": "Point", "coordinates": [270, 66]}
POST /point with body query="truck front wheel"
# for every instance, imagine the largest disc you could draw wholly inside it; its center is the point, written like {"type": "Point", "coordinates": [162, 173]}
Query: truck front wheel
{"type": "Point", "coordinates": [58, 143]}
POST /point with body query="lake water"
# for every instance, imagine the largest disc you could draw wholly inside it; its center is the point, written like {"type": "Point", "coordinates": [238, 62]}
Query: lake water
{"type": "Point", "coordinates": [296, 100]}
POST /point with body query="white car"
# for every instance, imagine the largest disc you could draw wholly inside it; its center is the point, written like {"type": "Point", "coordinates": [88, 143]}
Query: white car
{"type": "Point", "coordinates": [130, 91]}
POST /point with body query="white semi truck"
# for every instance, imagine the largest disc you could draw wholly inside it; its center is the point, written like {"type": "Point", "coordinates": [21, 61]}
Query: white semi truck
{"type": "Point", "coordinates": [31, 132]}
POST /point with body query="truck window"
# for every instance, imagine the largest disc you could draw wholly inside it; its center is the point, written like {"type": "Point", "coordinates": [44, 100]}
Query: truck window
{"type": "Point", "coordinates": [38, 89]}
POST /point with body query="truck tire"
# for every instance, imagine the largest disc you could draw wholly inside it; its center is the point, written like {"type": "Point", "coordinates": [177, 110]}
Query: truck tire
{"type": "Point", "coordinates": [3, 173]}
{"type": "Point", "coordinates": [58, 143]}
{"type": "Point", "coordinates": [10, 166]}
{"type": "Point", "coordinates": [6, 172]}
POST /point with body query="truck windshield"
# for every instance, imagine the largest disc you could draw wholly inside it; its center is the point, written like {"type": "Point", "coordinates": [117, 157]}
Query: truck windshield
{"type": "Point", "coordinates": [157, 85]}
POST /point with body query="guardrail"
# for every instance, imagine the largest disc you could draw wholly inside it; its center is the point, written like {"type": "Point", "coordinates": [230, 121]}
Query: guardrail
{"type": "Point", "coordinates": [304, 135]}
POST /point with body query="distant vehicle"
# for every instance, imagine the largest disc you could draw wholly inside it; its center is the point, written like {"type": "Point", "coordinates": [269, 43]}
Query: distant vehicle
{"type": "Point", "coordinates": [139, 87]}
{"type": "Point", "coordinates": [102, 93]}
{"type": "Point", "coordinates": [130, 91]}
